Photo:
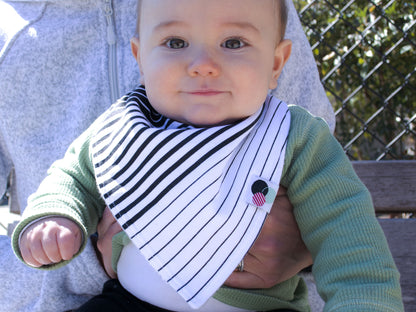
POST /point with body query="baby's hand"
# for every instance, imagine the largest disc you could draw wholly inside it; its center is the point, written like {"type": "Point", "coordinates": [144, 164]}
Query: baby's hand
{"type": "Point", "coordinates": [50, 240]}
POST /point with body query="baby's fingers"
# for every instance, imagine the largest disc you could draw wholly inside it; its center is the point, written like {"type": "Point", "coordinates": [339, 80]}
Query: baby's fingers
{"type": "Point", "coordinates": [31, 249]}
{"type": "Point", "coordinates": [68, 241]}
{"type": "Point", "coordinates": [29, 258]}
{"type": "Point", "coordinates": [50, 240]}
{"type": "Point", "coordinates": [50, 245]}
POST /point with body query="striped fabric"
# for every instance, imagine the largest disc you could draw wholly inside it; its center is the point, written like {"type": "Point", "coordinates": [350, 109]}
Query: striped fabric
{"type": "Point", "coordinates": [193, 200]}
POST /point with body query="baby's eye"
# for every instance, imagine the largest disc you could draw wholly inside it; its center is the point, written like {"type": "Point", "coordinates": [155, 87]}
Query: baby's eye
{"type": "Point", "coordinates": [176, 43]}
{"type": "Point", "coordinates": [234, 43]}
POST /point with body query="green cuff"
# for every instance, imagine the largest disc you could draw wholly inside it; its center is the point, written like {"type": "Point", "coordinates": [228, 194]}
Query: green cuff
{"type": "Point", "coordinates": [22, 226]}
{"type": "Point", "coordinates": [291, 294]}
{"type": "Point", "coordinates": [119, 241]}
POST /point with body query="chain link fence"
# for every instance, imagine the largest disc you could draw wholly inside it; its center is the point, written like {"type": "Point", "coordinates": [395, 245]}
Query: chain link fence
{"type": "Point", "coordinates": [366, 55]}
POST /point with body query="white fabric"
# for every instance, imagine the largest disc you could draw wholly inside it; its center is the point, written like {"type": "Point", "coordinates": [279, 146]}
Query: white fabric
{"type": "Point", "coordinates": [133, 267]}
{"type": "Point", "coordinates": [180, 193]}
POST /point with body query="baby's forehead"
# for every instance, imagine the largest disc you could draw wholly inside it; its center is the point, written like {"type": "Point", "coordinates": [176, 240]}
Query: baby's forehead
{"type": "Point", "coordinates": [275, 8]}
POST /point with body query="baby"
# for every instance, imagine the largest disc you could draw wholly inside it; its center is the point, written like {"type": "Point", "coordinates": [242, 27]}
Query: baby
{"type": "Point", "coordinates": [190, 164]}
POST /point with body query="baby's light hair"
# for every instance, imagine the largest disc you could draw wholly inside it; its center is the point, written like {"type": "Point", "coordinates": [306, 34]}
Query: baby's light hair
{"type": "Point", "coordinates": [279, 6]}
{"type": "Point", "coordinates": [282, 16]}
{"type": "Point", "coordinates": [139, 5]}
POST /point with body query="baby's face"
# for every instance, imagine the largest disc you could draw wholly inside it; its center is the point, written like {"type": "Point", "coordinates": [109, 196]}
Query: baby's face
{"type": "Point", "coordinates": [208, 63]}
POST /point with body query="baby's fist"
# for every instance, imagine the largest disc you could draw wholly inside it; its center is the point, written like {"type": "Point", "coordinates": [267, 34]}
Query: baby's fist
{"type": "Point", "coordinates": [50, 240]}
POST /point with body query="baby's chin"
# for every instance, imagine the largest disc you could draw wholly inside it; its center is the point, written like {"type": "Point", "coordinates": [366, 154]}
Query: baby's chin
{"type": "Point", "coordinates": [213, 122]}
{"type": "Point", "coordinates": [208, 119]}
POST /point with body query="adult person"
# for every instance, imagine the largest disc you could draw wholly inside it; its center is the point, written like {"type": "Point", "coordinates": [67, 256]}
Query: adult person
{"type": "Point", "coordinates": [62, 63]}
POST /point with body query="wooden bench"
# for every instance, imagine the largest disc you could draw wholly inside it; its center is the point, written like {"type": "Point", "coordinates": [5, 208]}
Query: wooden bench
{"type": "Point", "coordinates": [393, 187]}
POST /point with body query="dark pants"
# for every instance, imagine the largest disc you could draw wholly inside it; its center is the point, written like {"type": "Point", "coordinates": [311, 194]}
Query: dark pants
{"type": "Point", "coordinates": [115, 298]}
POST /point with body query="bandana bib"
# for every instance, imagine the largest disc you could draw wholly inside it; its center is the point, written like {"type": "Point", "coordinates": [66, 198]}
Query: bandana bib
{"type": "Point", "coordinates": [192, 200]}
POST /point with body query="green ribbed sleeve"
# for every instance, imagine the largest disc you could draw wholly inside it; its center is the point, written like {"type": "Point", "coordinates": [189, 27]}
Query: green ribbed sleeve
{"type": "Point", "coordinates": [353, 266]}
{"type": "Point", "coordinates": [69, 190]}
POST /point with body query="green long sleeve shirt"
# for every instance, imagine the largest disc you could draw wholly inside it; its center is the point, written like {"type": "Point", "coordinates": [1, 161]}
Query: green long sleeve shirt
{"type": "Point", "coordinates": [353, 267]}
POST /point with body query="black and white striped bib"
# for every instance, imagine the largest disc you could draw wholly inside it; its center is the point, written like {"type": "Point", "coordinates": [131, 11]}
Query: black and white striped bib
{"type": "Point", "coordinates": [192, 200]}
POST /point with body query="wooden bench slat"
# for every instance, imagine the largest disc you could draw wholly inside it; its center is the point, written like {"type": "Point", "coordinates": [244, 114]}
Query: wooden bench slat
{"type": "Point", "coordinates": [391, 184]}
{"type": "Point", "coordinates": [401, 236]}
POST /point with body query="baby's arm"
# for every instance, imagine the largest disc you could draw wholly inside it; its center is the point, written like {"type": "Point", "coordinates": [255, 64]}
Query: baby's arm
{"type": "Point", "coordinates": [68, 191]}
{"type": "Point", "coordinates": [353, 266]}
{"type": "Point", "coordinates": [50, 240]}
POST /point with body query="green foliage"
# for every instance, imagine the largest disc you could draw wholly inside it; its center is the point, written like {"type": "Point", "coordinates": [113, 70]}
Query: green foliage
{"type": "Point", "coordinates": [366, 55]}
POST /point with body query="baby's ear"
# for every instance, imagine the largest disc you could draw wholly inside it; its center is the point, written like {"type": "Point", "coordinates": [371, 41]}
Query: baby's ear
{"type": "Point", "coordinates": [135, 49]}
{"type": "Point", "coordinates": [281, 56]}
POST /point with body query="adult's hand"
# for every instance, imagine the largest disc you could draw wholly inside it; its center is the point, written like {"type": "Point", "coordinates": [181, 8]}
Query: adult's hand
{"type": "Point", "coordinates": [106, 229]}
{"type": "Point", "coordinates": [278, 253]}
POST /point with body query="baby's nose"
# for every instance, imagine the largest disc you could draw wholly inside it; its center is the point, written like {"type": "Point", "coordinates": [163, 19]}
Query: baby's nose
{"type": "Point", "coordinates": [204, 65]}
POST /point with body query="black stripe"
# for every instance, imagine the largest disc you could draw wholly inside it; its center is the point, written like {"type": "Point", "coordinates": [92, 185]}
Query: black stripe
{"type": "Point", "coordinates": [275, 138]}
{"type": "Point", "coordinates": [124, 152]}
{"type": "Point", "coordinates": [119, 144]}
{"type": "Point", "coordinates": [129, 112]}
{"type": "Point", "coordinates": [203, 246]}
{"type": "Point", "coordinates": [222, 204]}
{"type": "Point", "coordinates": [225, 260]}
{"type": "Point", "coordinates": [116, 109]}
{"type": "Point", "coordinates": [143, 163]}
{"type": "Point", "coordinates": [154, 218]}
{"type": "Point", "coordinates": [145, 176]}
{"type": "Point", "coordinates": [105, 136]}
{"type": "Point", "coordinates": [183, 175]}
{"type": "Point", "coordinates": [282, 147]}
{"type": "Point", "coordinates": [180, 231]}
{"type": "Point", "coordinates": [240, 194]}
{"type": "Point", "coordinates": [271, 147]}
{"type": "Point", "coordinates": [132, 159]}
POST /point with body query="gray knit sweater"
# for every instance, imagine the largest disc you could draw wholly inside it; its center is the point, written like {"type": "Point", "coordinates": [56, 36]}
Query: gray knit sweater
{"type": "Point", "coordinates": [62, 63]}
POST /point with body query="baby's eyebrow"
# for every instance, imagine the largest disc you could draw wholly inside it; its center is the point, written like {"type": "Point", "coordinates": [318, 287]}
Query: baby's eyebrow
{"type": "Point", "coordinates": [168, 24]}
{"type": "Point", "coordinates": [243, 26]}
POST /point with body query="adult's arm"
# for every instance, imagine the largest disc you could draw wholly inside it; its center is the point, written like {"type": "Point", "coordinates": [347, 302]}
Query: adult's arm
{"type": "Point", "coordinates": [54, 83]}
{"type": "Point", "coordinates": [5, 166]}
